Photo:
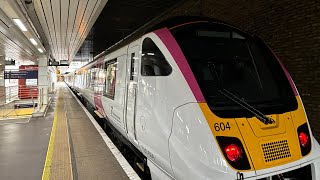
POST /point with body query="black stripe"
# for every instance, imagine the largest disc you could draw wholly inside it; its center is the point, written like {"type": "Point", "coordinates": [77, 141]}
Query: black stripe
{"type": "Point", "coordinates": [45, 17]}
{"type": "Point", "coordinates": [54, 27]}
{"type": "Point", "coordinates": [80, 23]}
{"type": "Point", "coordinates": [73, 25]}
{"type": "Point", "coordinates": [65, 41]}
{"type": "Point", "coordinates": [17, 44]}
{"type": "Point", "coordinates": [4, 23]}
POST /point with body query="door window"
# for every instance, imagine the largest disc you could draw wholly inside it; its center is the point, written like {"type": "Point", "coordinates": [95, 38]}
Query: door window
{"type": "Point", "coordinates": [111, 74]}
{"type": "Point", "coordinates": [132, 68]}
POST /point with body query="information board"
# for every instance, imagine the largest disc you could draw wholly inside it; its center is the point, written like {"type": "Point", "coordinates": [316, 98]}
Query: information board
{"type": "Point", "coordinates": [33, 74]}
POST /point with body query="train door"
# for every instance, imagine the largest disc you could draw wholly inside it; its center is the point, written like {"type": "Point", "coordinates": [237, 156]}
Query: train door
{"type": "Point", "coordinates": [132, 80]}
{"type": "Point", "coordinates": [98, 87]}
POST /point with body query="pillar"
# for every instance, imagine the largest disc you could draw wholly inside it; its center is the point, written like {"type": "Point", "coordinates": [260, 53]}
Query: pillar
{"type": "Point", "coordinates": [43, 86]}
{"type": "Point", "coordinates": [2, 81]}
{"type": "Point", "coordinates": [43, 79]}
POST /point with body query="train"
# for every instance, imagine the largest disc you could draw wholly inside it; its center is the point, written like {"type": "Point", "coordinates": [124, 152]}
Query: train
{"type": "Point", "coordinates": [201, 99]}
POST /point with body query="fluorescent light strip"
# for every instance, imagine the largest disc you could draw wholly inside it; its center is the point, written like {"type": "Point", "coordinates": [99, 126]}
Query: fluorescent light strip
{"type": "Point", "coordinates": [20, 24]}
{"type": "Point", "coordinates": [33, 41]}
{"type": "Point", "coordinates": [40, 50]}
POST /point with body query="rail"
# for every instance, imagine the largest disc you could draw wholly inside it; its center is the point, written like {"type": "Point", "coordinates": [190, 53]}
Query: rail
{"type": "Point", "coordinates": [19, 92]}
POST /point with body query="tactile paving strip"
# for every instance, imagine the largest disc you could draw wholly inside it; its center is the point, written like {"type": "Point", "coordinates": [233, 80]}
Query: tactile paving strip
{"type": "Point", "coordinates": [59, 165]}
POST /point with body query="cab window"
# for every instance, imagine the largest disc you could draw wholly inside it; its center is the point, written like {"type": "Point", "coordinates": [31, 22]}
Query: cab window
{"type": "Point", "coordinates": [153, 62]}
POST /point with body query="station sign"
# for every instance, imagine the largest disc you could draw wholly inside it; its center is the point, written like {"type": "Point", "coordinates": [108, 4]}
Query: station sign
{"type": "Point", "coordinates": [31, 74]}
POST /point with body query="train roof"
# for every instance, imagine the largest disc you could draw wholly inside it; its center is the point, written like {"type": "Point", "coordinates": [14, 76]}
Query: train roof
{"type": "Point", "coordinates": [152, 26]}
{"type": "Point", "coordinates": [149, 27]}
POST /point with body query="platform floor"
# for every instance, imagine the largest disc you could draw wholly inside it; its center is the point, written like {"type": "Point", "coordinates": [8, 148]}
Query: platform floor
{"type": "Point", "coordinates": [63, 145]}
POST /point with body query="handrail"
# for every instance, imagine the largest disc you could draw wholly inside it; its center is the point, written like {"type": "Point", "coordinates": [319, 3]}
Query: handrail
{"type": "Point", "coordinates": [18, 92]}
{"type": "Point", "coordinates": [14, 93]}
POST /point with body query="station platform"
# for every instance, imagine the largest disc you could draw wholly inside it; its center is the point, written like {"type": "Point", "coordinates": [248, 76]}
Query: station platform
{"type": "Point", "coordinates": [66, 144]}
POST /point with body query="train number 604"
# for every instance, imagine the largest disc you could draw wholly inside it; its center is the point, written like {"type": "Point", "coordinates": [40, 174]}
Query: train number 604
{"type": "Point", "coordinates": [221, 126]}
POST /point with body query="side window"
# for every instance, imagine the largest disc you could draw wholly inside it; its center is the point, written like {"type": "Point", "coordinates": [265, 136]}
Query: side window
{"type": "Point", "coordinates": [96, 80]}
{"type": "Point", "coordinates": [88, 78]}
{"type": "Point", "coordinates": [83, 78]}
{"type": "Point", "coordinates": [101, 79]}
{"type": "Point", "coordinates": [153, 62]}
{"type": "Point", "coordinates": [92, 78]}
{"type": "Point", "coordinates": [111, 72]}
{"type": "Point", "coordinates": [132, 70]}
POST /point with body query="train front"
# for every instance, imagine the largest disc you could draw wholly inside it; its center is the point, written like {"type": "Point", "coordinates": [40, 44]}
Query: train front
{"type": "Point", "coordinates": [251, 122]}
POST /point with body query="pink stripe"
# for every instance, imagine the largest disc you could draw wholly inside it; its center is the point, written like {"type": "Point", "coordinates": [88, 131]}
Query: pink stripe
{"type": "Point", "coordinates": [295, 91]}
{"type": "Point", "coordinates": [174, 49]}
{"type": "Point", "coordinates": [98, 102]}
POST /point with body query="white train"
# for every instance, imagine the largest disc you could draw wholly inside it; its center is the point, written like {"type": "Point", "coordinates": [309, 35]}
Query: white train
{"type": "Point", "coordinates": [201, 99]}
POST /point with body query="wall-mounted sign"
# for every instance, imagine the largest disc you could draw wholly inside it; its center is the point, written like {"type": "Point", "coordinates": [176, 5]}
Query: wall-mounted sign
{"type": "Point", "coordinates": [64, 63]}
{"type": "Point", "coordinates": [11, 62]}
{"type": "Point", "coordinates": [21, 74]}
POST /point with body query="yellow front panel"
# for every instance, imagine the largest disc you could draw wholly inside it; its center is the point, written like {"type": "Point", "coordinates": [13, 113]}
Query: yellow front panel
{"type": "Point", "coordinates": [214, 122]}
{"type": "Point", "coordinates": [269, 145]}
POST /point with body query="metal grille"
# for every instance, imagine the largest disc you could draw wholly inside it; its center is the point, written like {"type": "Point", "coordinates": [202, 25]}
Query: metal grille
{"type": "Point", "coordinates": [276, 150]}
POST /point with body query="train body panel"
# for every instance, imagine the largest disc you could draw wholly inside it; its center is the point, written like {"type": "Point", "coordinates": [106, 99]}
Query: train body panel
{"type": "Point", "coordinates": [156, 102]}
{"type": "Point", "coordinates": [165, 93]}
{"type": "Point", "coordinates": [113, 108]}
{"type": "Point", "coordinates": [132, 92]}
{"type": "Point", "coordinates": [194, 151]}
{"type": "Point", "coordinates": [113, 102]}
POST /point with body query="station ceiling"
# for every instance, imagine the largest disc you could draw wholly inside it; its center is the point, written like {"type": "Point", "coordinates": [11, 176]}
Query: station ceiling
{"type": "Point", "coordinates": [59, 27]}
{"type": "Point", "coordinates": [15, 42]}
{"type": "Point", "coordinates": [66, 23]}
{"type": "Point", "coordinates": [31, 28]}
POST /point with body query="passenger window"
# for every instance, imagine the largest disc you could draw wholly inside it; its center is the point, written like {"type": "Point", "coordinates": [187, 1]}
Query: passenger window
{"type": "Point", "coordinates": [93, 75]}
{"type": "Point", "coordinates": [153, 62]}
{"type": "Point", "coordinates": [88, 74]}
{"type": "Point", "coordinates": [111, 72]}
{"type": "Point", "coordinates": [132, 67]}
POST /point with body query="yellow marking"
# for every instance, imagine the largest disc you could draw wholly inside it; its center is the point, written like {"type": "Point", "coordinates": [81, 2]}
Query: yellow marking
{"type": "Point", "coordinates": [11, 113]}
{"type": "Point", "coordinates": [47, 165]}
{"type": "Point", "coordinates": [58, 161]}
{"type": "Point", "coordinates": [24, 111]}
{"type": "Point", "coordinates": [233, 131]}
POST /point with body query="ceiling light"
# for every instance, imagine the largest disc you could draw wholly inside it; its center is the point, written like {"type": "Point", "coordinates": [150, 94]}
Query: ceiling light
{"type": "Point", "coordinates": [40, 50]}
{"type": "Point", "coordinates": [33, 41]}
{"type": "Point", "coordinates": [20, 24]}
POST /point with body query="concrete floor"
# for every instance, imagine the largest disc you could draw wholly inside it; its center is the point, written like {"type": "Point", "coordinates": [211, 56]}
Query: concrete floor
{"type": "Point", "coordinates": [23, 147]}
{"type": "Point", "coordinates": [92, 159]}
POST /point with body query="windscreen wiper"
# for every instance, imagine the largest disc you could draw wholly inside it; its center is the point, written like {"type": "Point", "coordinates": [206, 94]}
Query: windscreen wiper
{"type": "Point", "coordinates": [263, 118]}
{"type": "Point", "coordinates": [259, 115]}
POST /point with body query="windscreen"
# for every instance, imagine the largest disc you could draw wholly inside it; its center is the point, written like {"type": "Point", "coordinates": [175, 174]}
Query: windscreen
{"type": "Point", "coordinates": [222, 57]}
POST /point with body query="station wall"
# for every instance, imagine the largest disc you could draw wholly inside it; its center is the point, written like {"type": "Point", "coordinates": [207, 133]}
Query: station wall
{"type": "Point", "coordinates": [290, 28]}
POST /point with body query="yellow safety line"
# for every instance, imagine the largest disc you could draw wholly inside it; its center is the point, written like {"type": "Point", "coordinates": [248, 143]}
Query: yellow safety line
{"type": "Point", "coordinates": [47, 165]}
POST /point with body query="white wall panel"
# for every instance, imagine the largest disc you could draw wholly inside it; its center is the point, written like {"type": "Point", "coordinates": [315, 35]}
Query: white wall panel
{"type": "Point", "coordinates": [78, 23]}
{"type": "Point", "coordinates": [46, 8]}
{"type": "Point", "coordinates": [43, 22]}
{"type": "Point", "coordinates": [55, 7]}
{"type": "Point", "coordinates": [64, 25]}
